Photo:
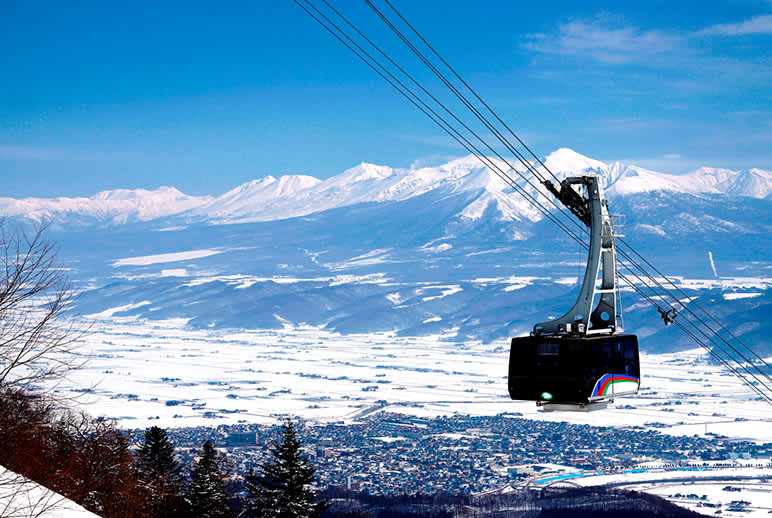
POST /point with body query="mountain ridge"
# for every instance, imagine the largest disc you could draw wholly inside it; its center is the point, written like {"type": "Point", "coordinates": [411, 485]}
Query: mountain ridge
{"type": "Point", "coordinates": [272, 198]}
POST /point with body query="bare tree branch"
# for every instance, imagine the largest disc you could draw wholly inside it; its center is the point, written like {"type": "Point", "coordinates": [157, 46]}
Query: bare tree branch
{"type": "Point", "coordinates": [37, 349]}
{"type": "Point", "coordinates": [36, 343]}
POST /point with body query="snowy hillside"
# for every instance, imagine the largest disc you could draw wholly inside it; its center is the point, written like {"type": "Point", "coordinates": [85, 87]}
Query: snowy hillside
{"type": "Point", "coordinates": [257, 196]}
{"type": "Point", "coordinates": [415, 267]}
{"type": "Point", "coordinates": [446, 250]}
{"type": "Point", "coordinates": [269, 198]}
{"type": "Point", "coordinates": [22, 498]}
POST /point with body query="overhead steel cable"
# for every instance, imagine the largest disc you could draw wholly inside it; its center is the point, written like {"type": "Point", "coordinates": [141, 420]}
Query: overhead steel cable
{"type": "Point", "coordinates": [534, 170]}
{"type": "Point", "coordinates": [740, 370]}
{"type": "Point", "coordinates": [430, 95]}
{"type": "Point", "coordinates": [474, 93]}
{"type": "Point", "coordinates": [676, 302]}
{"type": "Point", "coordinates": [438, 119]}
{"type": "Point", "coordinates": [428, 111]}
{"type": "Point", "coordinates": [765, 396]}
{"type": "Point", "coordinates": [538, 159]}
{"type": "Point", "coordinates": [448, 128]}
{"type": "Point", "coordinates": [694, 302]}
{"type": "Point", "coordinates": [502, 139]}
{"type": "Point", "coordinates": [529, 167]}
{"type": "Point", "coordinates": [747, 364]}
{"type": "Point", "coordinates": [461, 97]}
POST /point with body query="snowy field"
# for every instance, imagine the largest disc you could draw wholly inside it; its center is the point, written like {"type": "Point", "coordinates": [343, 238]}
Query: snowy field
{"type": "Point", "coordinates": [736, 488]}
{"type": "Point", "coordinates": [752, 499]}
{"type": "Point", "coordinates": [163, 373]}
{"type": "Point", "coordinates": [737, 491]}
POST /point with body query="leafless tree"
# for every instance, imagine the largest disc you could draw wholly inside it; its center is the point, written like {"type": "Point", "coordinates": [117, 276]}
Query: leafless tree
{"type": "Point", "coordinates": [36, 343]}
{"type": "Point", "coordinates": [37, 348]}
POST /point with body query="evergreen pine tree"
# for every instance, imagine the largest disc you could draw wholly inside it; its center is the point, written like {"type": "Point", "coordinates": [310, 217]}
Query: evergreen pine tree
{"type": "Point", "coordinates": [281, 488]}
{"type": "Point", "coordinates": [161, 472]}
{"type": "Point", "coordinates": [206, 497]}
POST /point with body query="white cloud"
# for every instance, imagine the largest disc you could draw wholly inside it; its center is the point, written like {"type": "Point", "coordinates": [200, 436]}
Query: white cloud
{"type": "Point", "coordinates": [612, 40]}
{"type": "Point", "coordinates": [606, 39]}
{"type": "Point", "coordinates": [757, 25]}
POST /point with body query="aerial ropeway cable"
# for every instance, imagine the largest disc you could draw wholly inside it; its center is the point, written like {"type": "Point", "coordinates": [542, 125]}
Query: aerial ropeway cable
{"type": "Point", "coordinates": [672, 303]}
{"type": "Point", "coordinates": [747, 355]}
{"type": "Point", "coordinates": [413, 98]}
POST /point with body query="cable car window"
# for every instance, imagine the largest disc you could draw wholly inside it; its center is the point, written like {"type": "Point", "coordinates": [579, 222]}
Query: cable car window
{"type": "Point", "coordinates": [548, 348]}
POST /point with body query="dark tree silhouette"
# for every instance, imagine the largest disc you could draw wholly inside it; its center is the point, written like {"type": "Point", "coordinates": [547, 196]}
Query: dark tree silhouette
{"type": "Point", "coordinates": [206, 497]}
{"type": "Point", "coordinates": [161, 472]}
{"type": "Point", "coordinates": [282, 486]}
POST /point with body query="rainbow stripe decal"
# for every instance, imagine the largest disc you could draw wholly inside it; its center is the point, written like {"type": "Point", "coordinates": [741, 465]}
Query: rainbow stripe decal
{"type": "Point", "coordinates": [610, 385]}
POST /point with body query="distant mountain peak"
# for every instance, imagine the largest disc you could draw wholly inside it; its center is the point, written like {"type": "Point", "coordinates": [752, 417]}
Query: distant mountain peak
{"type": "Point", "coordinates": [567, 160]}
{"type": "Point", "coordinates": [468, 162]}
{"type": "Point", "coordinates": [115, 206]}
{"type": "Point", "coordinates": [128, 194]}
{"type": "Point", "coordinates": [367, 171]}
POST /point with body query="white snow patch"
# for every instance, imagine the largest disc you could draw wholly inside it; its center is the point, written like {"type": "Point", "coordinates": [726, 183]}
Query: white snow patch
{"type": "Point", "coordinates": [446, 292]}
{"type": "Point", "coordinates": [514, 287]}
{"type": "Point", "coordinates": [118, 309]}
{"type": "Point", "coordinates": [23, 498]}
{"type": "Point", "coordinates": [735, 296]}
{"type": "Point", "coordinates": [651, 229]}
{"type": "Point", "coordinates": [241, 281]}
{"type": "Point", "coordinates": [165, 258]}
{"type": "Point", "coordinates": [387, 439]}
{"type": "Point", "coordinates": [394, 298]}
{"type": "Point", "coordinates": [370, 258]}
{"type": "Point", "coordinates": [174, 272]}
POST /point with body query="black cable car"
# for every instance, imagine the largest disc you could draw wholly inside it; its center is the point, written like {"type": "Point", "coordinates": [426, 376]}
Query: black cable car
{"type": "Point", "coordinates": [573, 370]}
{"type": "Point", "coordinates": [576, 362]}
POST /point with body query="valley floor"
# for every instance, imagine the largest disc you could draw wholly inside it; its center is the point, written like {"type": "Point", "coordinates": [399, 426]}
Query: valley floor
{"type": "Point", "coordinates": [162, 373]}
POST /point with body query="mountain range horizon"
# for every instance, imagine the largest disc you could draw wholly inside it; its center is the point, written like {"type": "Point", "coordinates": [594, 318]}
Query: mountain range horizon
{"type": "Point", "coordinates": [271, 198]}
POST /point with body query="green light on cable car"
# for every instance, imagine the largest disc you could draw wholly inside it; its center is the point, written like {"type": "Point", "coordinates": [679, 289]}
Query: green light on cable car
{"type": "Point", "coordinates": [546, 396]}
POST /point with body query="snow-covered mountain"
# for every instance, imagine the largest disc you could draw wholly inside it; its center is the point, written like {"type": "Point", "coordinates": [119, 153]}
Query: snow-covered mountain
{"type": "Point", "coordinates": [252, 198]}
{"type": "Point", "coordinates": [364, 183]}
{"type": "Point", "coordinates": [112, 207]}
{"type": "Point", "coordinates": [435, 250]}
{"type": "Point", "coordinates": [624, 179]}
{"type": "Point", "coordinates": [269, 198]}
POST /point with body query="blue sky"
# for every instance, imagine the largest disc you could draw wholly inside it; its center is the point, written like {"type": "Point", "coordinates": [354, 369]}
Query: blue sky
{"type": "Point", "coordinates": [96, 97]}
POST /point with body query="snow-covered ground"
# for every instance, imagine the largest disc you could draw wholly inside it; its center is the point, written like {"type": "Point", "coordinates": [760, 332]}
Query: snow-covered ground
{"type": "Point", "coordinates": [742, 498]}
{"type": "Point", "coordinates": [736, 488]}
{"type": "Point", "coordinates": [22, 498]}
{"type": "Point", "coordinates": [163, 373]}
